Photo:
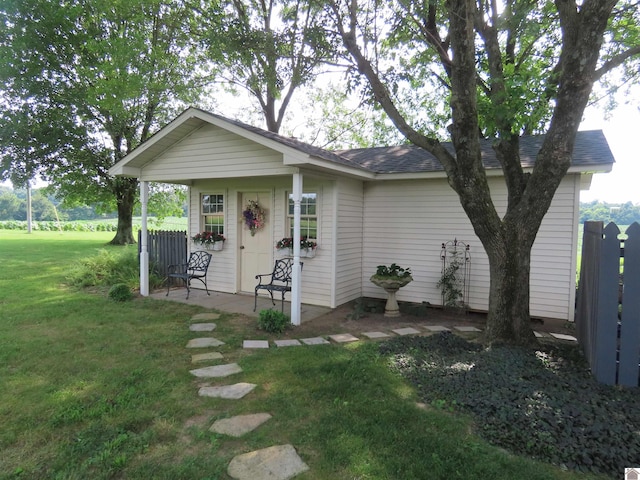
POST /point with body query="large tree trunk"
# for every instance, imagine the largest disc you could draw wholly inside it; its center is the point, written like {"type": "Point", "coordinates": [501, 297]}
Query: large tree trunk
{"type": "Point", "coordinates": [125, 190]}
{"type": "Point", "coordinates": [510, 266]}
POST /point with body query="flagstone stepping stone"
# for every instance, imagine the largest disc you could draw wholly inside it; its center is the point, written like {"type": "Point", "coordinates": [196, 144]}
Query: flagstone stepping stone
{"type": "Point", "coordinates": [255, 344]}
{"type": "Point", "coordinates": [463, 328]}
{"type": "Point", "coordinates": [229, 392]}
{"type": "Point", "coordinates": [239, 425]}
{"type": "Point", "coordinates": [287, 343]}
{"type": "Point", "coordinates": [206, 316]}
{"type": "Point", "coordinates": [202, 327]}
{"type": "Point", "coordinates": [204, 357]}
{"type": "Point", "coordinates": [538, 334]}
{"type": "Point", "coordinates": [562, 336]}
{"type": "Point", "coordinates": [280, 462]}
{"type": "Point", "coordinates": [343, 338]}
{"type": "Point", "coordinates": [405, 331]}
{"type": "Point", "coordinates": [204, 342]}
{"type": "Point", "coordinates": [375, 334]}
{"type": "Point", "coordinates": [436, 328]}
{"type": "Point", "coordinates": [314, 341]}
{"type": "Point", "coordinates": [217, 371]}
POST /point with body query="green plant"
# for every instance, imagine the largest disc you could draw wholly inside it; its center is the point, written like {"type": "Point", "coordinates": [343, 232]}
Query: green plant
{"type": "Point", "coordinates": [393, 270]}
{"type": "Point", "coordinates": [273, 321]}
{"type": "Point", "coordinates": [120, 292]}
{"type": "Point", "coordinates": [449, 283]}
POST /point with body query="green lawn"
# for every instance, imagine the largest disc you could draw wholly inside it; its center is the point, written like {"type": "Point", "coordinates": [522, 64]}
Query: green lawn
{"type": "Point", "coordinates": [92, 389]}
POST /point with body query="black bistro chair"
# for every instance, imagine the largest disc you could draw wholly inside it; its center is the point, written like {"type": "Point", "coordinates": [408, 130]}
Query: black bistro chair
{"type": "Point", "coordinates": [277, 281]}
{"type": "Point", "coordinates": [195, 269]}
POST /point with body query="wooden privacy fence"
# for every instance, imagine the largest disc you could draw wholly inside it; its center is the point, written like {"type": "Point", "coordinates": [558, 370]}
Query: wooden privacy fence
{"type": "Point", "coordinates": [608, 303]}
{"type": "Point", "coordinates": [165, 248]}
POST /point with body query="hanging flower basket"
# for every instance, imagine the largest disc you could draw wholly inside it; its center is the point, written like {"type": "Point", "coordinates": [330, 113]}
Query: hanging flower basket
{"type": "Point", "coordinates": [254, 216]}
{"type": "Point", "coordinates": [209, 240]}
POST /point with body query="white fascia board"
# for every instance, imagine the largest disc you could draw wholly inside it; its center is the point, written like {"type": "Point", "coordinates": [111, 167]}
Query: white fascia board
{"type": "Point", "coordinates": [302, 160]}
{"type": "Point", "coordinates": [122, 170]}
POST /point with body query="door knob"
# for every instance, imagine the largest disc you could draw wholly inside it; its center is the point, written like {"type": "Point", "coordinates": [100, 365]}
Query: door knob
{"type": "Point", "coordinates": [241, 247]}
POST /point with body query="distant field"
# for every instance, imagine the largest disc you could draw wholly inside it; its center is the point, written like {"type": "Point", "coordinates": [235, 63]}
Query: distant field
{"type": "Point", "coordinates": [96, 225]}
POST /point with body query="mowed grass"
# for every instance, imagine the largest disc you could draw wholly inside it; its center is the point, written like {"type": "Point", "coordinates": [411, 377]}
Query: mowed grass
{"type": "Point", "coordinates": [93, 389]}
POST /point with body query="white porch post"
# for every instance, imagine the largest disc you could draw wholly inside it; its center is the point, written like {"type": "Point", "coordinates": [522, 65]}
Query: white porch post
{"type": "Point", "coordinates": [296, 274]}
{"type": "Point", "coordinates": [144, 249]}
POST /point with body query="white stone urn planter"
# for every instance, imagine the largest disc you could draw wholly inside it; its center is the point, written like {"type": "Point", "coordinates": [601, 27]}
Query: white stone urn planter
{"type": "Point", "coordinates": [391, 285]}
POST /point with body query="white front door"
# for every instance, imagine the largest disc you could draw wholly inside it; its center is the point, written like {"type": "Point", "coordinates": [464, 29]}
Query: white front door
{"type": "Point", "coordinates": [256, 251]}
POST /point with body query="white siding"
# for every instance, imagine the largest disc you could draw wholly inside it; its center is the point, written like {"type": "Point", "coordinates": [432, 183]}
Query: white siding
{"type": "Point", "coordinates": [406, 222]}
{"type": "Point", "coordinates": [223, 274]}
{"type": "Point", "coordinates": [211, 152]}
{"type": "Point", "coordinates": [349, 238]}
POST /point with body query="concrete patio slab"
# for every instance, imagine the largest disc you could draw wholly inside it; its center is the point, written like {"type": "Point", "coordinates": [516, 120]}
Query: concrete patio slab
{"type": "Point", "coordinates": [205, 317]}
{"type": "Point", "coordinates": [204, 342]}
{"type": "Point", "coordinates": [287, 343]}
{"type": "Point", "coordinates": [375, 334]}
{"type": "Point", "coordinates": [229, 392]}
{"type": "Point", "coordinates": [255, 344]}
{"type": "Point", "coordinates": [464, 328]}
{"type": "Point", "coordinates": [405, 331]}
{"type": "Point", "coordinates": [240, 424]}
{"type": "Point", "coordinates": [436, 328]}
{"type": "Point", "coordinates": [217, 371]}
{"type": "Point", "coordinates": [280, 462]}
{"type": "Point", "coordinates": [343, 338]}
{"type": "Point", "coordinates": [202, 327]}
{"type": "Point", "coordinates": [562, 336]}
{"type": "Point", "coordinates": [204, 357]}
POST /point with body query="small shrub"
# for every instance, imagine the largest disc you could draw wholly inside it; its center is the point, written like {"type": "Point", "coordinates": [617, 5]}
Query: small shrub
{"type": "Point", "coordinates": [120, 292]}
{"type": "Point", "coordinates": [273, 321]}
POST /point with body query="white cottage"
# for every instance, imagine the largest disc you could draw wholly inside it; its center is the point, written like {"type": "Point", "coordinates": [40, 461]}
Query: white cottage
{"type": "Point", "coordinates": [364, 207]}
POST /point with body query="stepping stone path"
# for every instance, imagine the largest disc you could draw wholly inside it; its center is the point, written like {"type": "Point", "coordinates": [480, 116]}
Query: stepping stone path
{"type": "Point", "coordinates": [406, 331]}
{"type": "Point", "coordinates": [280, 462]}
{"type": "Point", "coordinates": [229, 392]}
{"type": "Point", "coordinates": [239, 425]}
{"type": "Point", "coordinates": [343, 338]}
{"type": "Point", "coordinates": [203, 357]}
{"type": "Point", "coordinates": [217, 371]}
{"type": "Point", "coordinates": [202, 327]}
{"type": "Point", "coordinates": [255, 344]}
{"type": "Point", "coordinates": [204, 343]}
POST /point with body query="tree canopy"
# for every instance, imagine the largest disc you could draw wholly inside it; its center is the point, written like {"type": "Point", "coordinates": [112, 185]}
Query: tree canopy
{"type": "Point", "coordinates": [84, 82]}
{"type": "Point", "coordinates": [502, 69]}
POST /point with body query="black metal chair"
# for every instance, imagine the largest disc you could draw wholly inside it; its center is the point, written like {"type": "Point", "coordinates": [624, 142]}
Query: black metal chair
{"type": "Point", "coordinates": [277, 281]}
{"type": "Point", "coordinates": [195, 269]}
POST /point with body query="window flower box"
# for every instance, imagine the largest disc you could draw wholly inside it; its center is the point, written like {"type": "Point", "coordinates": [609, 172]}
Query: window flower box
{"type": "Point", "coordinates": [209, 240]}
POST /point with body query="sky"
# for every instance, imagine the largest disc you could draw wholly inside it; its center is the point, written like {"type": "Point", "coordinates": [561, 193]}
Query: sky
{"type": "Point", "coordinates": [622, 130]}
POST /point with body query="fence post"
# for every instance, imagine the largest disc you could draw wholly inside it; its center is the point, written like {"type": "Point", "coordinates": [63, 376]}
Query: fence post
{"type": "Point", "coordinates": [606, 333]}
{"type": "Point", "coordinates": [630, 320]}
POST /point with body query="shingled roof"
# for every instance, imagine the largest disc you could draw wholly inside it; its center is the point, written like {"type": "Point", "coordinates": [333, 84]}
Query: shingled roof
{"type": "Point", "coordinates": [591, 149]}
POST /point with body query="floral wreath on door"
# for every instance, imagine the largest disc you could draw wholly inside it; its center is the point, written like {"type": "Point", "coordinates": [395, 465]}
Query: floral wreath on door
{"type": "Point", "coordinates": [254, 216]}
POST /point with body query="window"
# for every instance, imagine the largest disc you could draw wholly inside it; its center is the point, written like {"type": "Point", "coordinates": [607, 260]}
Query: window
{"type": "Point", "coordinates": [212, 211]}
{"type": "Point", "coordinates": [308, 216]}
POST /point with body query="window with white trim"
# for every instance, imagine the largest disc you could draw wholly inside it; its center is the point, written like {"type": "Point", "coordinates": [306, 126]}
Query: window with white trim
{"type": "Point", "coordinates": [212, 212]}
{"type": "Point", "coordinates": [308, 216]}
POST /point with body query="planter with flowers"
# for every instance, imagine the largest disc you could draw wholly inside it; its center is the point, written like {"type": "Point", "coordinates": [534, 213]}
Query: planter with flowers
{"type": "Point", "coordinates": [392, 279]}
{"type": "Point", "coordinates": [209, 240]}
{"type": "Point", "coordinates": [308, 248]}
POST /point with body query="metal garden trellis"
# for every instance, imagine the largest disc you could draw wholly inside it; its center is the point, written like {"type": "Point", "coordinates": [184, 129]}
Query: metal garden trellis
{"type": "Point", "coordinates": [456, 269]}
